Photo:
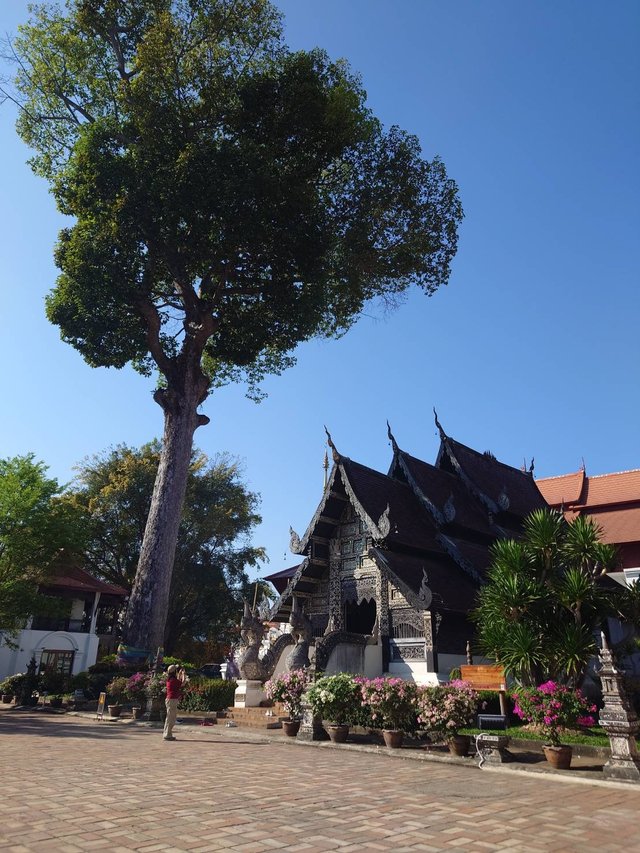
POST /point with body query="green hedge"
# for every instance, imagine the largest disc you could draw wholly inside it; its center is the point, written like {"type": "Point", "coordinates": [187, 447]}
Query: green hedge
{"type": "Point", "coordinates": [208, 694]}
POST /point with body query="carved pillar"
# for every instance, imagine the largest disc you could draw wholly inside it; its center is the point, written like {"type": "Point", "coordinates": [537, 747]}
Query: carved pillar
{"type": "Point", "coordinates": [382, 594]}
{"type": "Point", "coordinates": [335, 592]}
{"type": "Point", "coordinates": [619, 720]}
{"type": "Point", "coordinates": [431, 624]}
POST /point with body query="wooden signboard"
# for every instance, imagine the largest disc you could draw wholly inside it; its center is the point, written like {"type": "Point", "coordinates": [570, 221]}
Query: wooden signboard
{"type": "Point", "coordinates": [102, 701]}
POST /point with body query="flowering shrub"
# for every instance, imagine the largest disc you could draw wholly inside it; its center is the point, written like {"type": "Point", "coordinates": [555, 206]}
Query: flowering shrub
{"type": "Point", "coordinates": [554, 707]}
{"type": "Point", "coordinates": [117, 688]}
{"type": "Point", "coordinates": [447, 708]}
{"type": "Point", "coordinates": [392, 702]}
{"type": "Point", "coordinates": [288, 688]}
{"type": "Point", "coordinates": [156, 686]}
{"type": "Point", "coordinates": [335, 698]}
{"type": "Point", "coordinates": [137, 686]}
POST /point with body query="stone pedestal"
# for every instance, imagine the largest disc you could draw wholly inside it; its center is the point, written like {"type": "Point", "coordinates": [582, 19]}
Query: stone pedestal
{"type": "Point", "coordinates": [492, 749]}
{"type": "Point", "coordinates": [311, 727]}
{"type": "Point", "coordinates": [249, 693]}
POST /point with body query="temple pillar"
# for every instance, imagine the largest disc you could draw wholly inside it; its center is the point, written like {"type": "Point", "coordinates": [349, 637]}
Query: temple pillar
{"type": "Point", "coordinates": [430, 641]}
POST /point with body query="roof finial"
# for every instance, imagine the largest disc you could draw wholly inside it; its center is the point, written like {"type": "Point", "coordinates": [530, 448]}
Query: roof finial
{"type": "Point", "coordinates": [394, 443]}
{"type": "Point", "coordinates": [334, 450]}
{"type": "Point", "coordinates": [443, 434]}
{"type": "Point", "coordinates": [584, 467]}
{"type": "Point", "coordinates": [532, 466]}
{"type": "Point", "coordinates": [325, 465]}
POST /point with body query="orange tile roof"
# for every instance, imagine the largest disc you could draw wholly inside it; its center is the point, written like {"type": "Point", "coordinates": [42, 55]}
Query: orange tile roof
{"type": "Point", "coordinates": [605, 489]}
{"type": "Point", "coordinates": [563, 489]}
{"type": "Point", "coordinates": [618, 525]}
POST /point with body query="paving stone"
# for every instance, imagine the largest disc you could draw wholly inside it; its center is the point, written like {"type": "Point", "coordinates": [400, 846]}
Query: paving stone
{"type": "Point", "coordinates": [78, 785]}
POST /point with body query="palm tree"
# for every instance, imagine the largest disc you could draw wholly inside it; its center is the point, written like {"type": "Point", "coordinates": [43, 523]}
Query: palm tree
{"type": "Point", "coordinates": [543, 601]}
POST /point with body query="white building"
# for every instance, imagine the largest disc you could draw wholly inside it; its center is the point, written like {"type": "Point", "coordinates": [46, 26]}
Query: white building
{"type": "Point", "coordinates": [73, 642]}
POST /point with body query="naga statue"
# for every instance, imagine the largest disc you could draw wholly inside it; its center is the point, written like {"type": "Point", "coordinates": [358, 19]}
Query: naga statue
{"type": "Point", "coordinates": [302, 635]}
{"type": "Point", "coordinates": [252, 665]}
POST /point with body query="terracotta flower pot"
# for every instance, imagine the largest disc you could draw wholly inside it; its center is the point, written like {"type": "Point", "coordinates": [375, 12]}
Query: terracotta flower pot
{"type": "Point", "coordinates": [338, 733]}
{"type": "Point", "coordinates": [115, 710]}
{"type": "Point", "coordinates": [393, 738]}
{"type": "Point", "coordinates": [559, 757]}
{"type": "Point", "coordinates": [291, 727]}
{"type": "Point", "coordinates": [459, 745]}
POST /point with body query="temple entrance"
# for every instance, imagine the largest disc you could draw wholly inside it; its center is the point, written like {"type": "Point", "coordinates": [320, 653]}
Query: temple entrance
{"type": "Point", "coordinates": [360, 618]}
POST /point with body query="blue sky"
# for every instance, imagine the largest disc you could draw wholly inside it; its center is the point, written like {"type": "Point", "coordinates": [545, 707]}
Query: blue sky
{"type": "Point", "coordinates": [533, 348]}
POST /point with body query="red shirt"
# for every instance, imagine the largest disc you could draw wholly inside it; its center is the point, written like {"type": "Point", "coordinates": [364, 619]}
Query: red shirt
{"type": "Point", "coordinates": [174, 688]}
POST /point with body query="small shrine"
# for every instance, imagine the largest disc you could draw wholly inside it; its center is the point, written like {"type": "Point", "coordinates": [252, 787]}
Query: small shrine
{"type": "Point", "coordinates": [391, 563]}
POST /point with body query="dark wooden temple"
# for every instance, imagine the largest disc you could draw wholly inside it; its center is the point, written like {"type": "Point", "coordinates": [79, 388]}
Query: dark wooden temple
{"type": "Point", "coordinates": [392, 562]}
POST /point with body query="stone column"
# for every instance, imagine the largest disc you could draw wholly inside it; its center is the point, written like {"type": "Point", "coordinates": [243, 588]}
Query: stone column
{"type": "Point", "coordinates": [619, 720]}
{"type": "Point", "coordinates": [430, 643]}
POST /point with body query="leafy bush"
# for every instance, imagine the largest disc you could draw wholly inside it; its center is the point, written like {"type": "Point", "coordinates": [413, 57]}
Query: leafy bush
{"type": "Point", "coordinates": [80, 681]}
{"type": "Point", "coordinates": [53, 682]}
{"type": "Point", "coordinates": [207, 694]}
{"type": "Point", "coordinates": [13, 684]}
{"type": "Point", "coordinates": [181, 664]}
{"type": "Point", "coordinates": [156, 686]}
{"type": "Point", "coordinates": [335, 698]}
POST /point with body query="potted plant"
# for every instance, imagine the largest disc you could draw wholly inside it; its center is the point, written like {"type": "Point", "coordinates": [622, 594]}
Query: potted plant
{"type": "Point", "coordinates": [288, 689]}
{"type": "Point", "coordinates": [334, 698]}
{"type": "Point", "coordinates": [55, 700]}
{"type": "Point", "coordinates": [137, 693]}
{"type": "Point", "coordinates": [117, 691]}
{"type": "Point", "coordinates": [552, 708]}
{"type": "Point", "coordinates": [156, 691]}
{"type": "Point", "coordinates": [392, 703]}
{"type": "Point", "coordinates": [446, 709]}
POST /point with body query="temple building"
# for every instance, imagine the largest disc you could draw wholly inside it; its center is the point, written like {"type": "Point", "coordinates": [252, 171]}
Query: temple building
{"type": "Point", "coordinates": [391, 563]}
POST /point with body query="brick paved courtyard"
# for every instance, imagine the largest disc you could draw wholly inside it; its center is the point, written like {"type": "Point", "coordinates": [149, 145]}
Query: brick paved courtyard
{"type": "Point", "coordinates": [72, 784]}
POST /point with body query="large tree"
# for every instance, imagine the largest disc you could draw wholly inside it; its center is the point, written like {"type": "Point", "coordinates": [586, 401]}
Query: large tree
{"type": "Point", "coordinates": [38, 531]}
{"type": "Point", "coordinates": [114, 492]}
{"type": "Point", "coordinates": [231, 199]}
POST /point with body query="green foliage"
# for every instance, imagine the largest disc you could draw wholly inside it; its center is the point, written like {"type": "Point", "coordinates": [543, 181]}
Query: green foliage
{"type": "Point", "coordinates": [543, 601]}
{"type": "Point", "coordinates": [114, 491]}
{"type": "Point", "coordinates": [37, 531]}
{"type": "Point", "coordinates": [207, 694]}
{"type": "Point", "coordinates": [13, 684]}
{"type": "Point", "coordinates": [335, 698]}
{"type": "Point", "coordinates": [54, 682]}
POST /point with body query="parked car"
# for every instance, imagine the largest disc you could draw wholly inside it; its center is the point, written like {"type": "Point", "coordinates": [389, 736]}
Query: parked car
{"type": "Point", "coordinates": [210, 670]}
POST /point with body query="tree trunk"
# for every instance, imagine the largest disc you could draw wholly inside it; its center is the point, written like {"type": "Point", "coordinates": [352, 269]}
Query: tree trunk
{"type": "Point", "coordinates": [149, 601]}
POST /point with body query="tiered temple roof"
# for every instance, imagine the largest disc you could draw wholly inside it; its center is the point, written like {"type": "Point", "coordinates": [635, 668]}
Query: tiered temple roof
{"type": "Point", "coordinates": [429, 526]}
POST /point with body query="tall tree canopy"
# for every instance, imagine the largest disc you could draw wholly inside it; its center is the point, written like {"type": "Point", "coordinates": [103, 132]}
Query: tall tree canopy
{"type": "Point", "coordinates": [37, 529]}
{"type": "Point", "coordinates": [544, 599]}
{"type": "Point", "coordinates": [114, 492]}
{"type": "Point", "coordinates": [231, 199]}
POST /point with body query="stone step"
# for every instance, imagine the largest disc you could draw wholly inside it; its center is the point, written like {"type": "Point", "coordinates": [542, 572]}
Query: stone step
{"type": "Point", "coordinates": [257, 718]}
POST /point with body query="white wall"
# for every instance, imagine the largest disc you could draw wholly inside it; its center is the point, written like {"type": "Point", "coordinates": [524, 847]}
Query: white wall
{"type": "Point", "coordinates": [33, 643]}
